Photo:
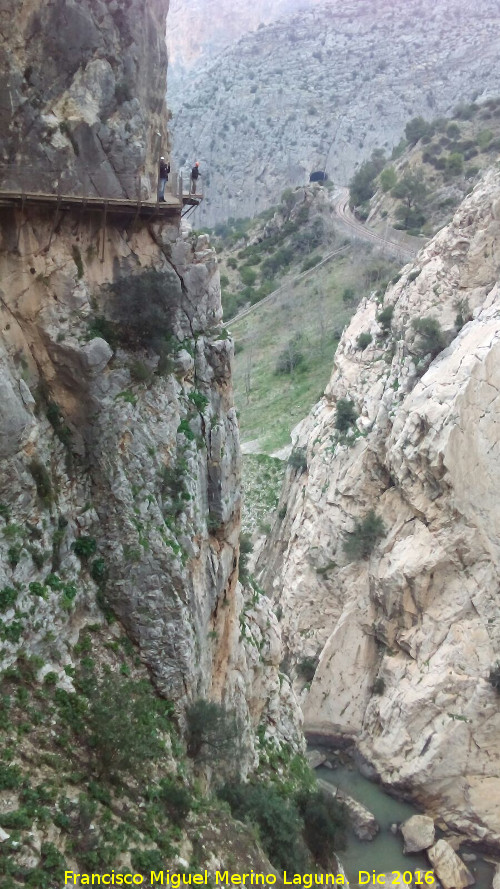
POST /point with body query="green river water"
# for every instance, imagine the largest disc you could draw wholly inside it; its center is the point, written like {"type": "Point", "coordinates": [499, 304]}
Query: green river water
{"type": "Point", "coordinates": [385, 853]}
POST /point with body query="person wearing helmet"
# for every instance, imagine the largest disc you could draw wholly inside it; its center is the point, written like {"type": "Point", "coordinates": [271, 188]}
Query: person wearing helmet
{"type": "Point", "coordinates": [195, 172]}
{"type": "Point", "coordinates": [163, 178]}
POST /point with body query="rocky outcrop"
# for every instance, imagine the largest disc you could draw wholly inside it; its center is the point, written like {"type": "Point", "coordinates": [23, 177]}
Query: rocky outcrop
{"type": "Point", "coordinates": [407, 632]}
{"type": "Point", "coordinates": [450, 869]}
{"type": "Point", "coordinates": [82, 99]}
{"type": "Point", "coordinates": [418, 833]}
{"type": "Point", "coordinates": [126, 461]}
{"type": "Point", "coordinates": [325, 87]}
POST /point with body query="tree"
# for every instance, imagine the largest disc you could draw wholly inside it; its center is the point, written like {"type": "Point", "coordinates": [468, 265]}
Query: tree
{"type": "Point", "coordinates": [416, 129]}
{"type": "Point", "coordinates": [362, 184]}
{"type": "Point", "coordinates": [292, 357]}
{"type": "Point", "coordinates": [411, 188]}
{"type": "Point", "coordinates": [412, 191]}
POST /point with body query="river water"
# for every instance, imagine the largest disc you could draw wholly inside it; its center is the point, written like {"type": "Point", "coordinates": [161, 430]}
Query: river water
{"type": "Point", "coordinates": [385, 853]}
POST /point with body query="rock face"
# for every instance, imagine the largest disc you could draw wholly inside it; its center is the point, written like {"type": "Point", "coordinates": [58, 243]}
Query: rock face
{"type": "Point", "coordinates": [418, 833]}
{"type": "Point", "coordinates": [450, 869]}
{"type": "Point", "coordinates": [200, 29]}
{"type": "Point", "coordinates": [119, 452]}
{"type": "Point", "coordinates": [322, 88]}
{"type": "Point", "coordinates": [82, 99]}
{"type": "Point", "coordinates": [407, 635]}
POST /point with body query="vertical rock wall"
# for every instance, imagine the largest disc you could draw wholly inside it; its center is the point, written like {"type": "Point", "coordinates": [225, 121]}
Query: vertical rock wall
{"type": "Point", "coordinates": [82, 95]}
{"type": "Point", "coordinates": [406, 636]}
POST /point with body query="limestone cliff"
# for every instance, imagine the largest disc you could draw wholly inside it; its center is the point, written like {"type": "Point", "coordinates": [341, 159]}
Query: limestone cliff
{"type": "Point", "coordinates": [82, 95]}
{"type": "Point", "coordinates": [325, 86]}
{"type": "Point", "coordinates": [406, 633]}
{"type": "Point", "coordinates": [119, 449]}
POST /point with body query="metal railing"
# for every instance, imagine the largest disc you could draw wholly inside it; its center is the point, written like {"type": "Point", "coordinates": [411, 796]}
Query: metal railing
{"type": "Point", "coordinates": [108, 182]}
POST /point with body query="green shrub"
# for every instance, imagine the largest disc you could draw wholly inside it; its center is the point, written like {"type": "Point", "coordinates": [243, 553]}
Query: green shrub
{"type": "Point", "coordinates": [140, 372]}
{"type": "Point", "coordinates": [42, 481]}
{"type": "Point", "coordinates": [10, 777]}
{"type": "Point", "coordinates": [378, 686]}
{"type": "Point", "coordinates": [388, 179]}
{"type": "Point", "coordinates": [99, 571]}
{"type": "Point", "coordinates": [385, 317]}
{"type": "Point", "coordinates": [143, 307]}
{"type": "Point", "coordinates": [8, 597]}
{"type": "Point", "coordinates": [325, 822]}
{"type": "Point", "coordinates": [306, 668]}
{"type": "Point", "coordinates": [359, 543]}
{"type": "Point", "coordinates": [455, 164]}
{"type": "Point", "coordinates": [185, 429]}
{"type": "Point", "coordinates": [246, 547]}
{"type": "Point", "coordinates": [248, 276]}
{"type": "Point", "coordinates": [84, 546]}
{"type": "Point", "coordinates": [363, 340]}
{"type": "Point", "coordinates": [348, 295]}
{"type": "Point", "coordinates": [119, 744]}
{"type": "Point", "coordinates": [292, 357]}
{"type": "Point", "coordinates": [146, 860]}
{"type": "Point", "coordinates": [345, 415]}
{"type": "Point", "coordinates": [298, 459]}
{"type": "Point", "coordinates": [430, 336]}
{"type": "Point", "coordinates": [413, 275]}
{"type": "Point", "coordinates": [277, 819]}
{"type": "Point", "coordinates": [212, 732]}
{"type": "Point", "coordinates": [77, 259]}
{"type": "Point", "coordinates": [99, 326]}
{"type": "Point", "coordinates": [494, 677]}
{"type": "Point", "coordinates": [175, 800]}
{"type": "Point", "coordinates": [199, 400]}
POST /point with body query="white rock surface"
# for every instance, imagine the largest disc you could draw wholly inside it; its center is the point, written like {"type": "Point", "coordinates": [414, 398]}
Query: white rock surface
{"type": "Point", "coordinates": [450, 869]}
{"type": "Point", "coordinates": [421, 614]}
{"type": "Point", "coordinates": [418, 833]}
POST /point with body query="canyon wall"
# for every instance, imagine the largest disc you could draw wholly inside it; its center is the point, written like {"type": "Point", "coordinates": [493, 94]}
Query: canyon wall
{"type": "Point", "coordinates": [398, 609]}
{"type": "Point", "coordinates": [82, 97]}
{"type": "Point", "coordinates": [322, 89]}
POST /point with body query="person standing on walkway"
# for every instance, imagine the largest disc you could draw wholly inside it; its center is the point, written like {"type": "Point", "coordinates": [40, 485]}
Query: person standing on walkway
{"type": "Point", "coordinates": [195, 172]}
{"type": "Point", "coordinates": [163, 178]}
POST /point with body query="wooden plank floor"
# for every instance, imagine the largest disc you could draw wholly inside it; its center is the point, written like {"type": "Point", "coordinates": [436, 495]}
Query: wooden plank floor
{"type": "Point", "coordinates": [170, 207]}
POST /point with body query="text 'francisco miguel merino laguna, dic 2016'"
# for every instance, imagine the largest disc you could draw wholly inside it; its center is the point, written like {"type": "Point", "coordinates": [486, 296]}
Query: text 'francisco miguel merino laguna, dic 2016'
{"type": "Point", "coordinates": [224, 878]}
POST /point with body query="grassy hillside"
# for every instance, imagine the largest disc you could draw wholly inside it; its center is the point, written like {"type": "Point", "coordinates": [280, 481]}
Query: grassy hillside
{"type": "Point", "coordinates": [285, 348]}
{"type": "Point", "coordinates": [432, 169]}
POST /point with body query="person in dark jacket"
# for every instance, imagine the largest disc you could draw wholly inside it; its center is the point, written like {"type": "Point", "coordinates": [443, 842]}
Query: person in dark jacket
{"type": "Point", "coordinates": [195, 172]}
{"type": "Point", "coordinates": [163, 178]}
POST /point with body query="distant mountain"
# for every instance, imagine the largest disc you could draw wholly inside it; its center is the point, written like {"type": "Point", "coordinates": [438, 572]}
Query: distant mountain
{"type": "Point", "coordinates": [324, 88]}
{"type": "Point", "coordinates": [200, 29]}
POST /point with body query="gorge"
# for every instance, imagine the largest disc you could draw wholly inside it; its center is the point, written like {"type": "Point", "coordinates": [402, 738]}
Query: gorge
{"type": "Point", "coordinates": [155, 684]}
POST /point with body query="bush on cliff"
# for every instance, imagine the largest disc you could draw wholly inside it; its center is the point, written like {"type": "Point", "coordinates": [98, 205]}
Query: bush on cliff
{"type": "Point", "coordinates": [359, 543]}
{"type": "Point", "coordinates": [212, 732]}
{"type": "Point", "coordinates": [143, 308]}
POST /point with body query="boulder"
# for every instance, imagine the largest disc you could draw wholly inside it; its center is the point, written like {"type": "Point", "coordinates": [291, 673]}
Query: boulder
{"type": "Point", "coordinates": [450, 869]}
{"type": "Point", "coordinates": [315, 758]}
{"type": "Point", "coordinates": [363, 822]}
{"type": "Point", "coordinates": [418, 833]}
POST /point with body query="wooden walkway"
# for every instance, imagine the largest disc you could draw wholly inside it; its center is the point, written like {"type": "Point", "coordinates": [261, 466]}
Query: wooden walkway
{"type": "Point", "coordinates": [172, 206]}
